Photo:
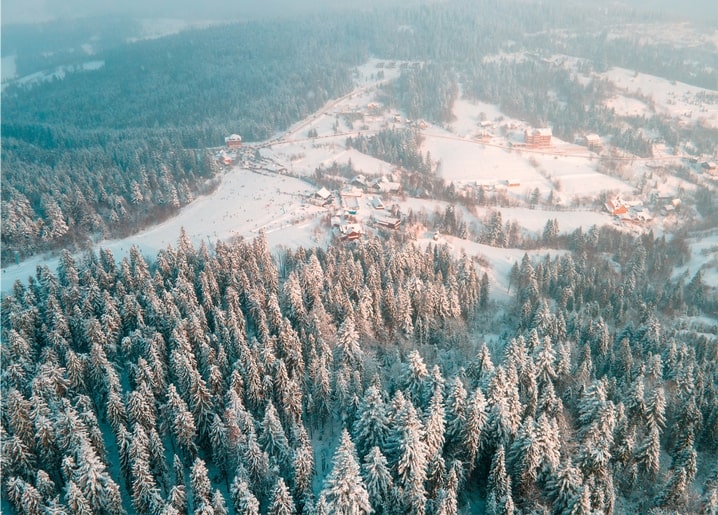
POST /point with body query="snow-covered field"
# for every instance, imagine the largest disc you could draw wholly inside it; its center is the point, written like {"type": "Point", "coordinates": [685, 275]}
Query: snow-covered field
{"type": "Point", "coordinates": [244, 204]}
{"type": "Point", "coordinates": [628, 106]}
{"type": "Point", "coordinates": [674, 99]}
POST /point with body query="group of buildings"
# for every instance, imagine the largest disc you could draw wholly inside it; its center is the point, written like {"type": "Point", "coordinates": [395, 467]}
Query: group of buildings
{"type": "Point", "coordinates": [634, 212]}
{"type": "Point", "coordinates": [357, 203]}
{"type": "Point", "coordinates": [541, 138]}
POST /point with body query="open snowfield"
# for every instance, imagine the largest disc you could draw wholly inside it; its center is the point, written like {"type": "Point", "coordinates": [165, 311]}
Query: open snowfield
{"type": "Point", "coordinates": [532, 220]}
{"type": "Point", "coordinates": [470, 114]}
{"type": "Point", "coordinates": [627, 106]}
{"type": "Point", "coordinates": [675, 99]}
{"type": "Point", "coordinates": [468, 161]}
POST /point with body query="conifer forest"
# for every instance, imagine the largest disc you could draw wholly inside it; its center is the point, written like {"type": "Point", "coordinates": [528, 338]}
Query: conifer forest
{"type": "Point", "coordinates": [228, 381]}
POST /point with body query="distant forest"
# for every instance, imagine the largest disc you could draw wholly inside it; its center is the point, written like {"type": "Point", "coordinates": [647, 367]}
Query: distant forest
{"type": "Point", "coordinates": [355, 379]}
{"type": "Point", "coordinates": [103, 153]}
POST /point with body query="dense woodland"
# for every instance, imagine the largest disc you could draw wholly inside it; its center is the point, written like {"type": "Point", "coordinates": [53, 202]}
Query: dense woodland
{"type": "Point", "coordinates": [103, 153]}
{"type": "Point", "coordinates": [355, 380]}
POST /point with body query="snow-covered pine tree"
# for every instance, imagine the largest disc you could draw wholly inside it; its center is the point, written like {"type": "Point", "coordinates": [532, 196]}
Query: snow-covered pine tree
{"type": "Point", "coordinates": [377, 479]}
{"type": "Point", "coordinates": [344, 490]}
{"type": "Point", "coordinates": [371, 428]}
{"type": "Point", "coordinates": [200, 487]}
{"type": "Point", "coordinates": [472, 433]}
{"type": "Point", "coordinates": [243, 500]}
{"type": "Point", "coordinates": [564, 489]}
{"type": "Point", "coordinates": [435, 425]}
{"type": "Point", "coordinates": [282, 502]}
{"type": "Point", "coordinates": [499, 500]}
{"type": "Point", "coordinates": [455, 414]}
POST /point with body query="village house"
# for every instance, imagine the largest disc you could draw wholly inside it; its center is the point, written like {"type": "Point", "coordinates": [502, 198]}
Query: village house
{"type": "Point", "coordinates": [387, 222]}
{"type": "Point", "coordinates": [384, 185]}
{"type": "Point", "coordinates": [351, 205]}
{"type": "Point", "coordinates": [351, 191]}
{"type": "Point", "coordinates": [710, 167]}
{"type": "Point", "coordinates": [615, 207]}
{"type": "Point", "coordinates": [593, 142]}
{"type": "Point", "coordinates": [323, 194]}
{"type": "Point", "coordinates": [349, 232]}
{"type": "Point", "coordinates": [360, 181]}
{"type": "Point", "coordinates": [538, 138]}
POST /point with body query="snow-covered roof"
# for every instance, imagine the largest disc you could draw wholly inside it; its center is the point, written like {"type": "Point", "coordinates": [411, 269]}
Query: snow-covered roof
{"type": "Point", "coordinates": [350, 228]}
{"type": "Point", "coordinates": [323, 193]}
{"type": "Point", "coordinates": [351, 192]}
{"type": "Point", "coordinates": [233, 137]}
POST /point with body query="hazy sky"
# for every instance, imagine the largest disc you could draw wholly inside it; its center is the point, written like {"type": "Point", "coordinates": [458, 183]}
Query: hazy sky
{"type": "Point", "coordinates": [32, 11]}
